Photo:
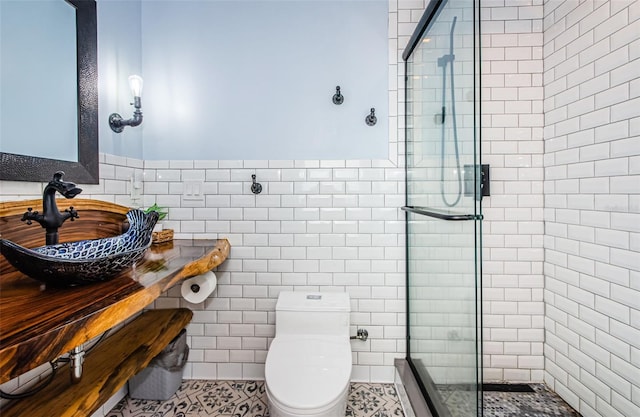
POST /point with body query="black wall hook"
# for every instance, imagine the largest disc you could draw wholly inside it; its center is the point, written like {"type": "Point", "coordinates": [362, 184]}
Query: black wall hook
{"type": "Point", "coordinates": [338, 98]}
{"type": "Point", "coordinates": [256, 187]}
{"type": "Point", "coordinates": [371, 118]}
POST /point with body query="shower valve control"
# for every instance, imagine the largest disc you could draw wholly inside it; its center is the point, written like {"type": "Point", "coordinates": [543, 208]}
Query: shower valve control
{"type": "Point", "coordinates": [361, 334]}
{"type": "Point", "coordinates": [477, 181]}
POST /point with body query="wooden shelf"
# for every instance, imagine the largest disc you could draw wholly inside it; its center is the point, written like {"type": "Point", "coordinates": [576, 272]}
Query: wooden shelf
{"type": "Point", "coordinates": [106, 368]}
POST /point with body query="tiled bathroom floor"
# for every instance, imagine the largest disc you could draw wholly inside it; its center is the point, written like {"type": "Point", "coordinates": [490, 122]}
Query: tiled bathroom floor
{"type": "Point", "coordinates": [197, 398]}
{"type": "Point", "coordinates": [247, 399]}
{"type": "Point", "coordinates": [540, 403]}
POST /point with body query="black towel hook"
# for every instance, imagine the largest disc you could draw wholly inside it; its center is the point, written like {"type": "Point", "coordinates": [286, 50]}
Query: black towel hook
{"type": "Point", "coordinates": [338, 98]}
{"type": "Point", "coordinates": [371, 118]}
{"type": "Point", "coordinates": [256, 187]}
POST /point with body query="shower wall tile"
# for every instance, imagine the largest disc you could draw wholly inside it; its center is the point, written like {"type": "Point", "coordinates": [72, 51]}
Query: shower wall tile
{"type": "Point", "coordinates": [590, 263]}
{"type": "Point", "coordinates": [513, 230]}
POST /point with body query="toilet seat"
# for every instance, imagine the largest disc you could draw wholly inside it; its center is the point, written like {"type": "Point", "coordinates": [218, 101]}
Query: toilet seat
{"type": "Point", "coordinates": [308, 373]}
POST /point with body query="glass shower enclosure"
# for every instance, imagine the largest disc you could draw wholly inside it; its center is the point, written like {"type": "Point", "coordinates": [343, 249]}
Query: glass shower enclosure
{"type": "Point", "coordinates": [444, 189]}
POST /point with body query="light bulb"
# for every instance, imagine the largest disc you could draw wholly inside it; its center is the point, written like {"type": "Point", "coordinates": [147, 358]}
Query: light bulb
{"type": "Point", "coordinates": [135, 82]}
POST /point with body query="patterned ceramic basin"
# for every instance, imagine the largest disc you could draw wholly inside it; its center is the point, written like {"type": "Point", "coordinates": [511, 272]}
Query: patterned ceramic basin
{"type": "Point", "coordinates": [84, 261]}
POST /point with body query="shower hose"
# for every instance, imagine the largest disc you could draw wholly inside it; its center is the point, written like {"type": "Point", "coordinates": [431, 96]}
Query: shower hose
{"type": "Point", "coordinates": [443, 62]}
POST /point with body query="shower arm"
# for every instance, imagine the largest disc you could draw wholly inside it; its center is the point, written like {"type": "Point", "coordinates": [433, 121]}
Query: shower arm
{"type": "Point", "coordinates": [453, 26]}
{"type": "Point", "coordinates": [448, 58]}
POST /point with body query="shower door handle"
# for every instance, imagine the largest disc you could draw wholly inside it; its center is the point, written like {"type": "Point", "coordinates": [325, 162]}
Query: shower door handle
{"type": "Point", "coordinates": [426, 211]}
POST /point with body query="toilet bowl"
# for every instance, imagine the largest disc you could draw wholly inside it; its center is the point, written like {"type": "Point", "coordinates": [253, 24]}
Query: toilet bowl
{"type": "Point", "coordinates": [308, 366]}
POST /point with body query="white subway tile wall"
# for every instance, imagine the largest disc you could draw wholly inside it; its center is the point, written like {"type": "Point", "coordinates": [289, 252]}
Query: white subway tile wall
{"type": "Point", "coordinates": [592, 187]}
{"type": "Point", "coordinates": [317, 229]}
{"type": "Point", "coordinates": [512, 131]}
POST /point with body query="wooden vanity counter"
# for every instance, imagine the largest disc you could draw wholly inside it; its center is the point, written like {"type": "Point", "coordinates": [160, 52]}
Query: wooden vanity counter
{"type": "Point", "coordinates": [39, 324]}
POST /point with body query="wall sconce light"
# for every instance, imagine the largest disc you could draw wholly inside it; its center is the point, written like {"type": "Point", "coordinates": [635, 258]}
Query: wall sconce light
{"type": "Point", "coordinates": [116, 122]}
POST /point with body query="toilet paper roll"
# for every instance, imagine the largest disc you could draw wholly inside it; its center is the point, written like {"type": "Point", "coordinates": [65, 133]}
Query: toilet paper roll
{"type": "Point", "coordinates": [195, 290]}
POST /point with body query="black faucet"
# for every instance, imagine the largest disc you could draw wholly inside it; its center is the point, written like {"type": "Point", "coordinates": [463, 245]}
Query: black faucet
{"type": "Point", "coordinates": [51, 218]}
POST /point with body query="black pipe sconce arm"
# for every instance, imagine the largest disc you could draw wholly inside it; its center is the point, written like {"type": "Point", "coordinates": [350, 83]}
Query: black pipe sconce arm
{"type": "Point", "coordinates": [116, 122]}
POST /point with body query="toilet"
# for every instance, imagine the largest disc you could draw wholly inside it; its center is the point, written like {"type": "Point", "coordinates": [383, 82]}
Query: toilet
{"type": "Point", "coordinates": [308, 366]}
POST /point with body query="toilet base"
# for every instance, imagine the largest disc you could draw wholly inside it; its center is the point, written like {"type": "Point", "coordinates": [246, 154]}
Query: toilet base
{"type": "Point", "coordinates": [335, 409]}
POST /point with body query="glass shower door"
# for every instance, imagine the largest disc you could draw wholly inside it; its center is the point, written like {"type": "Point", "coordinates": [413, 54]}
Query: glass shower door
{"type": "Point", "coordinates": [443, 209]}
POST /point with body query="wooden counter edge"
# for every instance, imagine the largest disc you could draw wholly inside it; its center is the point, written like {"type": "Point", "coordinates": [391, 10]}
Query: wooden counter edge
{"type": "Point", "coordinates": [208, 262]}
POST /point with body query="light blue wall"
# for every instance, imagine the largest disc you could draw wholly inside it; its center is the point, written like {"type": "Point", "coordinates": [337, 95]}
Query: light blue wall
{"type": "Point", "coordinates": [119, 55]}
{"type": "Point", "coordinates": [254, 79]}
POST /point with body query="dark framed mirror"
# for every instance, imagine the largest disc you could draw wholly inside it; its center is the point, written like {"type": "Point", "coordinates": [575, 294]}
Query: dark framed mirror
{"type": "Point", "coordinates": [16, 167]}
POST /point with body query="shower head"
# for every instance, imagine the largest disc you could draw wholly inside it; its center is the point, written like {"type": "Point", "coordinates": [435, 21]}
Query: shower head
{"type": "Point", "coordinates": [445, 59]}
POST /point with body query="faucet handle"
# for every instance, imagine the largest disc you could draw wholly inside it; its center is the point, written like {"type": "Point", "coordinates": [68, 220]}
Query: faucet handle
{"type": "Point", "coordinates": [29, 215]}
{"type": "Point", "coordinates": [73, 214]}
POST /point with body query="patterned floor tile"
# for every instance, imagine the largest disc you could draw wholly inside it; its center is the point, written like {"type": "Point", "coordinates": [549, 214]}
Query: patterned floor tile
{"type": "Point", "coordinates": [541, 403]}
{"type": "Point", "coordinates": [373, 400]}
{"type": "Point", "coordinates": [198, 398]}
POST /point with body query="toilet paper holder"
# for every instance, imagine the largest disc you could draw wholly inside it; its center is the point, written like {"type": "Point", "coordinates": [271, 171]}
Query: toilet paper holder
{"type": "Point", "coordinates": [361, 334]}
{"type": "Point", "coordinates": [197, 289]}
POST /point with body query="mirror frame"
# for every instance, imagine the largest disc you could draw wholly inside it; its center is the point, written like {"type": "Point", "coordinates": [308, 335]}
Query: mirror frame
{"type": "Point", "coordinates": [15, 167]}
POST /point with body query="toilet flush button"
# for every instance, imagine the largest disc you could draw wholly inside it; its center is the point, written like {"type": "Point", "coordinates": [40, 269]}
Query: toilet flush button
{"type": "Point", "coordinates": [314, 297]}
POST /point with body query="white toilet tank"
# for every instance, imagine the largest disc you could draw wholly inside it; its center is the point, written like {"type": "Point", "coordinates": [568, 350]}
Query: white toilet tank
{"type": "Point", "coordinates": [304, 313]}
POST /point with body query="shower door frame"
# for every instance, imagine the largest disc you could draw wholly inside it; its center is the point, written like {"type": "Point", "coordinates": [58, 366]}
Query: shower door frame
{"type": "Point", "coordinates": [409, 375]}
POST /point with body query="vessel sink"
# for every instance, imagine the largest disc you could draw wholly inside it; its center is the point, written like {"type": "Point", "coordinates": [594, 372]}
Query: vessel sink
{"type": "Point", "coordinates": [85, 261]}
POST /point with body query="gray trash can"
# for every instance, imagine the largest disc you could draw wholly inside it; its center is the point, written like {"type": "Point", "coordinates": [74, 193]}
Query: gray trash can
{"type": "Point", "coordinates": [162, 378]}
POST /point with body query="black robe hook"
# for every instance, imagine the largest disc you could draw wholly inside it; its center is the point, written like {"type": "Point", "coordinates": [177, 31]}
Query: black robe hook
{"type": "Point", "coordinates": [256, 187]}
{"type": "Point", "coordinates": [371, 118]}
{"type": "Point", "coordinates": [338, 98]}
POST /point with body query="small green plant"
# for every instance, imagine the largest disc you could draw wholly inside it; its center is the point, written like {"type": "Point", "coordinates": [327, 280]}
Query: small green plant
{"type": "Point", "coordinates": [162, 211]}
